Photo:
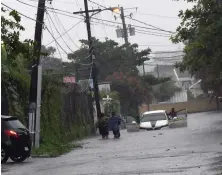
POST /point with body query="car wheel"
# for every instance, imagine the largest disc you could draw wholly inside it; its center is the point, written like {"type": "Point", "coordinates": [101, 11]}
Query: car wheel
{"type": "Point", "coordinates": [18, 158]}
{"type": "Point", "coordinates": [4, 156]}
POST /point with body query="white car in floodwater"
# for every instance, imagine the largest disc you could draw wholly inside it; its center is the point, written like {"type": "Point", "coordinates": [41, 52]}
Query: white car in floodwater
{"type": "Point", "coordinates": [154, 120]}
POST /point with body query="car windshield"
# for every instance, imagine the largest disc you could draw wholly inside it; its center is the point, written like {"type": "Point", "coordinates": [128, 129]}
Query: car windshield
{"type": "Point", "coordinates": [153, 117]}
{"type": "Point", "coordinates": [14, 124]}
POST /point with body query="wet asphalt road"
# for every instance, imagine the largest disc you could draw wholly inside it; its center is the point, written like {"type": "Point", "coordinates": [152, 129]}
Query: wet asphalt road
{"type": "Point", "coordinates": [195, 150]}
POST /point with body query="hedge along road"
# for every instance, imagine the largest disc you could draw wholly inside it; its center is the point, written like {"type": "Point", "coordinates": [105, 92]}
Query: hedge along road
{"type": "Point", "coordinates": [195, 150]}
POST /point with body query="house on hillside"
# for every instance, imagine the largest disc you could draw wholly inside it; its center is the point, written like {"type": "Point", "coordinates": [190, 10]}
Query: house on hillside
{"type": "Point", "coordinates": [182, 80]}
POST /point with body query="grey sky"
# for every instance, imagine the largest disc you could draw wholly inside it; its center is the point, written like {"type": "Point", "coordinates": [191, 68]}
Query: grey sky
{"type": "Point", "coordinates": [160, 13]}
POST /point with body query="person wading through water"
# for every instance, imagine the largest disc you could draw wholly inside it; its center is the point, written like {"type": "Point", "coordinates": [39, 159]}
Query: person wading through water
{"type": "Point", "coordinates": [114, 124]}
{"type": "Point", "coordinates": [102, 124]}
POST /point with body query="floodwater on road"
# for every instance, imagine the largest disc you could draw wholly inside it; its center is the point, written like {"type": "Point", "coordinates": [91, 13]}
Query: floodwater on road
{"type": "Point", "coordinates": [192, 150]}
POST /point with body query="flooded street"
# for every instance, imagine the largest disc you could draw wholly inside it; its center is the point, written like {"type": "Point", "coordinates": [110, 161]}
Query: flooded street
{"type": "Point", "coordinates": [194, 150]}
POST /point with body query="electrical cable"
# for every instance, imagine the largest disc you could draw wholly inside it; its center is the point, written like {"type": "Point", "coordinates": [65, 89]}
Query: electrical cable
{"type": "Point", "coordinates": [156, 29]}
{"type": "Point", "coordinates": [53, 34]}
{"type": "Point", "coordinates": [56, 40]}
{"type": "Point", "coordinates": [65, 32]}
{"type": "Point", "coordinates": [147, 33]}
{"type": "Point", "coordinates": [38, 22]}
{"type": "Point", "coordinates": [158, 33]}
{"type": "Point", "coordinates": [59, 33]}
{"type": "Point", "coordinates": [161, 16]}
{"type": "Point", "coordinates": [136, 19]}
{"type": "Point", "coordinates": [150, 25]}
{"type": "Point", "coordinates": [22, 14]}
{"type": "Point", "coordinates": [64, 28]}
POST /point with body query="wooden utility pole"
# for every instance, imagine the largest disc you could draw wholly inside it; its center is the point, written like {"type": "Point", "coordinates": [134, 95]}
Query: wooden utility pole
{"type": "Point", "coordinates": [157, 70]}
{"type": "Point", "coordinates": [92, 58]}
{"type": "Point", "coordinates": [125, 32]}
{"type": "Point", "coordinates": [144, 73]}
{"type": "Point", "coordinates": [37, 49]}
{"type": "Point", "coordinates": [92, 55]}
{"type": "Point", "coordinates": [34, 87]}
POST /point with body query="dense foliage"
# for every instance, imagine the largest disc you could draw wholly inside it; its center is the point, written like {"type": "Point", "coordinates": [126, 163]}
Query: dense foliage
{"type": "Point", "coordinates": [58, 125]}
{"type": "Point", "coordinates": [111, 57]}
{"type": "Point", "coordinates": [118, 65]}
{"type": "Point", "coordinates": [201, 32]}
{"type": "Point", "coordinates": [14, 62]}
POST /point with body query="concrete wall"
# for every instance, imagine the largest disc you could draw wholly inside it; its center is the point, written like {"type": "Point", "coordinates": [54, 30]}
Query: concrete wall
{"type": "Point", "coordinates": [192, 106]}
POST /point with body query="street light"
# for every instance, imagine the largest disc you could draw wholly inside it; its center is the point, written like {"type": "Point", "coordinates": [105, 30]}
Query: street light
{"type": "Point", "coordinates": [115, 9]}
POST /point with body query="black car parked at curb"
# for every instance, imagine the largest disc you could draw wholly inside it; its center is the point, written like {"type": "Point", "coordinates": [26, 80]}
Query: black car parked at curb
{"type": "Point", "coordinates": [15, 141]}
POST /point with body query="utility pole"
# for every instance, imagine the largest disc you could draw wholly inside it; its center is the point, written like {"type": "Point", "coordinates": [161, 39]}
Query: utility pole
{"type": "Point", "coordinates": [144, 73]}
{"type": "Point", "coordinates": [91, 50]}
{"type": "Point", "coordinates": [125, 32]}
{"type": "Point", "coordinates": [157, 69]}
{"type": "Point", "coordinates": [35, 79]}
{"type": "Point", "coordinates": [92, 58]}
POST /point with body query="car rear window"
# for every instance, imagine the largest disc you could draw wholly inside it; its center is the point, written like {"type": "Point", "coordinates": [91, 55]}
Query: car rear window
{"type": "Point", "coordinates": [14, 124]}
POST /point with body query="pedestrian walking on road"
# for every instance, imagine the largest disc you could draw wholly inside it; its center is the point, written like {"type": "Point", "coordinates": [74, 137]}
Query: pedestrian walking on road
{"type": "Point", "coordinates": [102, 124]}
{"type": "Point", "coordinates": [114, 124]}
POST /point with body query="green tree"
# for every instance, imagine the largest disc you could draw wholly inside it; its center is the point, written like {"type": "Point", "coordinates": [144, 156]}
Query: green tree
{"type": "Point", "coordinates": [16, 56]}
{"type": "Point", "coordinates": [111, 57]}
{"type": "Point", "coordinates": [201, 31]}
{"type": "Point", "coordinates": [114, 60]}
{"type": "Point", "coordinates": [131, 89]}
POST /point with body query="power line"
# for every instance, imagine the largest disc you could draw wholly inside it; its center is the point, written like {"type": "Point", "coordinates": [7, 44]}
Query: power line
{"type": "Point", "coordinates": [56, 40]}
{"type": "Point", "coordinates": [63, 11]}
{"type": "Point", "coordinates": [147, 33]}
{"type": "Point", "coordinates": [22, 14]}
{"type": "Point", "coordinates": [51, 33]}
{"type": "Point", "coordinates": [56, 1]}
{"type": "Point", "coordinates": [135, 19]}
{"type": "Point", "coordinates": [153, 32]}
{"type": "Point", "coordinates": [56, 43]}
{"type": "Point", "coordinates": [65, 29]}
{"type": "Point", "coordinates": [150, 25]}
{"type": "Point", "coordinates": [38, 22]}
{"type": "Point", "coordinates": [97, 3]}
{"type": "Point", "coordinates": [59, 32]}
{"type": "Point", "coordinates": [160, 16]}
{"type": "Point", "coordinates": [65, 32]}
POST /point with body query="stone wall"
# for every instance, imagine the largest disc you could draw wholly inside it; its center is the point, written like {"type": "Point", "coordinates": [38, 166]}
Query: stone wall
{"type": "Point", "coordinates": [192, 106]}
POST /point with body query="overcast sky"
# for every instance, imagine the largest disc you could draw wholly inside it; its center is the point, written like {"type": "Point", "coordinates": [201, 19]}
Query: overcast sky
{"type": "Point", "coordinates": [160, 13]}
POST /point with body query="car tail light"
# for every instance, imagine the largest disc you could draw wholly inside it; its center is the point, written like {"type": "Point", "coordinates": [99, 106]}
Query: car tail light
{"type": "Point", "coordinates": [11, 133]}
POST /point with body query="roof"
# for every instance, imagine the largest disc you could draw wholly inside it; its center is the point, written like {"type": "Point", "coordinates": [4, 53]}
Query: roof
{"type": "Point", "coordinates": [154, 112]}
